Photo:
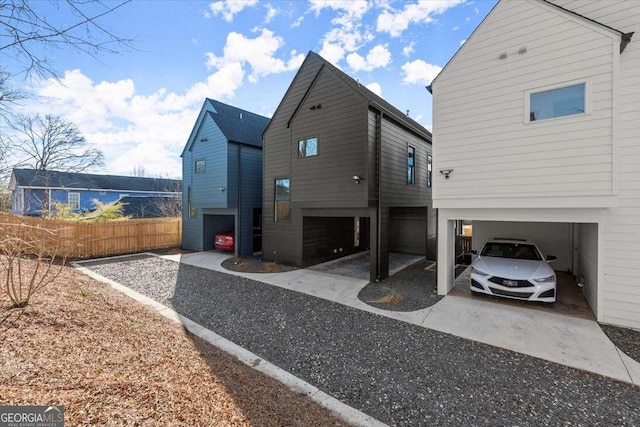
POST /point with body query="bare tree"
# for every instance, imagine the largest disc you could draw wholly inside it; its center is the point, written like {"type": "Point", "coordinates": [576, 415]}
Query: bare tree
{"type": "Point", "coordinates": [139, 171]}
{"type": "Point", "coordinates": [28, 32]}
{"type": "Point", "coordinates": [52, 143]}
{"type": "Point", "coordinates": [8, 95]}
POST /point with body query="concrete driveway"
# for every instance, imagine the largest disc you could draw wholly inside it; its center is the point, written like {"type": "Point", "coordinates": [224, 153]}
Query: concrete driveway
{"type": "Point", "coordinates": [570, 341]}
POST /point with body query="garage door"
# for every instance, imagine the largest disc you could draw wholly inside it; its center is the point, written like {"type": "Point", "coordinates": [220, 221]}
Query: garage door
{"type": "Point", "coordinates": [408, 230]}
{"type": "Point", "coordinates": [214, 224]}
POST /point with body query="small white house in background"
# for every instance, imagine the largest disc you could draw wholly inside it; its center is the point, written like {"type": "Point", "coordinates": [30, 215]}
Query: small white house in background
{"type": "Point", "coordinates": [536, 134]}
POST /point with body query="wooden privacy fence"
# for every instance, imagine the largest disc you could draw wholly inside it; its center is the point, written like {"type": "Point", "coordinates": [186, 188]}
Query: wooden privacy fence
{"type": "Point", "coordinates": [81, 239]}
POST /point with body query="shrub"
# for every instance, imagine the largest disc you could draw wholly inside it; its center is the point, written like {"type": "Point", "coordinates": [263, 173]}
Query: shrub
{"type": "Point", "coordinates": [19, 242]}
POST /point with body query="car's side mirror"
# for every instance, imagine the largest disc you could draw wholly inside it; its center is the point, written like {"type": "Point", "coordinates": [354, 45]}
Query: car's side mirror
{"type": "Point", "coordinates": [551, 258]}
{"type": "Point", "coordinates": [473, 251]}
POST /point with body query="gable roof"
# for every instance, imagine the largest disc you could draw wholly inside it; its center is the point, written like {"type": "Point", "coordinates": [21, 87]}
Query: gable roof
{"type": "Point", "coordinates": [56, 179]}
{"type": "Point", "coordinates": [625, 38]}
{"type": "Point", "coordinates": [238, 125]}
{"type": "Point", "coordinates": [372, 99]}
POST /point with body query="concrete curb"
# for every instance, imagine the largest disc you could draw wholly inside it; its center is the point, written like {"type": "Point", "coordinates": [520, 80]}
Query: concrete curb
{"type": "Point", "coordinates": [342, 410]}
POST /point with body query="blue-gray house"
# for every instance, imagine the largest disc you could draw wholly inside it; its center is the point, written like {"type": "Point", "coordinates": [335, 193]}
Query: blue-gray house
{"type": "Point", "coordinates": [222, 178]}
{"type": "Point", "coordinates": [35, 192]}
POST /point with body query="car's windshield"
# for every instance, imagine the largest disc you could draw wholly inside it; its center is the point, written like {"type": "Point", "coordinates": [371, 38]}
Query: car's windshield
{"type": "Point", "coordinates": [511, 250]}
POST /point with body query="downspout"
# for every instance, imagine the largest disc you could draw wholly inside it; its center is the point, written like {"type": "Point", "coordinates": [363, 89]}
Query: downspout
{"type": "Point", "coordinates": [239, 228]}
{"type": "Point", "coordinates": [379, 190]}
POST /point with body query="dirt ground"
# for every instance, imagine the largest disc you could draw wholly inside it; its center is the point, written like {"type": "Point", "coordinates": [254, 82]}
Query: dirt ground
{"type": "Point", "coordinates": [112, 361]}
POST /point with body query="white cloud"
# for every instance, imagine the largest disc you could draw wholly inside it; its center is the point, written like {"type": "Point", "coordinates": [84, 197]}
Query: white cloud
{"type": "Point", "coordinates": [378, 56]}
{"type": "Point", "coordinates": [375, 88]}
{"type": "Point", "coordinates": [271, 13]}
{"type": "Point", "coordinates": [131, 129]}
{"type": "Point", "coordinates": [151, 130]}
{"type": "Point", "coordinates": [353, 8]}
{"type": "Point", "coordinates": [258, 53]}
{"type": "Point", "coordinates": [297, 22]}
{"type": "Point", "coordinates": [462, 41]}
{"type": "Point", "coordinates": [408, 50]}
{"type": "Point", "coordinates": [347, 34]}
{"type": "Point", "coordinates": [332, 52]}
{"type": "Point", "coordinates": [419, 72]}
{"type": "Point", "coordinates": [229, 8]}
{"type": "Point", "coordinates": [395, 22]}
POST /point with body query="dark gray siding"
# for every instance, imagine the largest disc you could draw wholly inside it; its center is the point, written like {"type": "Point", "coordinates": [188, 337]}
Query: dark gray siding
{"type": "Point", "coordinates": [251, 195]}
{"type": "Point", "coordinates": [327, 238]}
{"type": "Point", "coordinates": [322, 105]}
{"type": "Point", "coordinates": [325, 180]}
{"type": "Point", "coordinates": [204, 187]}
{"type": "Point", "coordinates": [395, 190]}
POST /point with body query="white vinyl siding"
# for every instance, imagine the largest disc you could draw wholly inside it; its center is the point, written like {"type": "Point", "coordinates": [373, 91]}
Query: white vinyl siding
{"type": "Point", "coordinates": [479, 129]}
{"type": "Point", "coordinates": [621, 251]}
{"type": "Point", "coordinates": [499, 159]}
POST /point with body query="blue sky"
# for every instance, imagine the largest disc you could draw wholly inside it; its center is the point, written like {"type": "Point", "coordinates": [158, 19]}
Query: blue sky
{"type": "Point", "coordinates": [140, 105]}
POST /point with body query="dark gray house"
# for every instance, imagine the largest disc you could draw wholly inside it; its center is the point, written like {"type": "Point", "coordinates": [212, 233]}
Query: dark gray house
{"type": "Point", "coordinates": [222, 177]}
{"type": "Point", "coordinates": [344, 171]}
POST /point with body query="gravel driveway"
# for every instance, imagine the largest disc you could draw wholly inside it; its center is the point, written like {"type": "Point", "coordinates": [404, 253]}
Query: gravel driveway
{"type": "Point", "coordinates": [398, 373]}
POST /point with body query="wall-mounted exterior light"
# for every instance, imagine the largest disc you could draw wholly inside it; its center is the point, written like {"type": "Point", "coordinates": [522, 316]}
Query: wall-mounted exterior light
{"type": "Point", "coordinates": [446, 172]}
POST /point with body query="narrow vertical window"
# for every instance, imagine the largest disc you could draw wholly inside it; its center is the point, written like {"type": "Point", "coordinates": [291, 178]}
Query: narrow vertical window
{"type": "Point", "coordinates": [429, 169]}
{"type": "Point", "coordinates": [201, 166]}
{"type": "Point", "coordinates": [282, 199]}
{"type": "Point", "coordinates": [74, 201]}
{"type": "Point", "coordinates": [193, 212]}
{"type": "Point", "coordinates": [411, 165]}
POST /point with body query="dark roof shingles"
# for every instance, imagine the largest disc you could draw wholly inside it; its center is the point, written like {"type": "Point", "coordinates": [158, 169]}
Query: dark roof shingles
{"type": "Point", "coordinates": [239, 125]}
{"type": "Point", "coordinates": [40, 178]}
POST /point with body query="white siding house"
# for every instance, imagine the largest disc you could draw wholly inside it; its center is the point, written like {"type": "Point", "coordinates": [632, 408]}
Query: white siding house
{"type": "Point", "coordinates": [537, 122]}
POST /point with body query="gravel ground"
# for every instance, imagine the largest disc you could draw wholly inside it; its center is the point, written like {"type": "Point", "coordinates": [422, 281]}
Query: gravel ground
{"type": "Point", "coordinates": [398, 373]}
{"type": "Point", "coordinates": [627, 340]}
{"type": "Point", "coordinates": [415, 287]}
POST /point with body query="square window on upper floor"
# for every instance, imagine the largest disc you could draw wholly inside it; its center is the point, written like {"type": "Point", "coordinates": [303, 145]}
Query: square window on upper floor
{"type": "Point", "coordinates": [308, 147]}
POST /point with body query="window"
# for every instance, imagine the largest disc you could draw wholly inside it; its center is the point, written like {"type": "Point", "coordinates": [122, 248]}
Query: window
{"type": "Point", "coordinates": [74, 201]}
{"type": "Point", "coordinates": [193, 212]}
{"type": "Point", "coordinates": [429, 169]}
{"type": "Point", "coordinates": [411, 165]}
{"type": "Point", "coordinates": [563, 101]}
{"type": "Point", "coordinates": [201, 166]}
{"type": "Point", "coordinates": [308, 147]}
{"type": "Point", "coordinates": [282, 199]}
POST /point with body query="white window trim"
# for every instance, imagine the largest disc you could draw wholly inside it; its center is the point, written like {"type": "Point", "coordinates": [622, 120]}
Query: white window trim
{"type": "Point", "coordinates": [587, 100]}
{"type": "Point", "coordinates": [69, 200]}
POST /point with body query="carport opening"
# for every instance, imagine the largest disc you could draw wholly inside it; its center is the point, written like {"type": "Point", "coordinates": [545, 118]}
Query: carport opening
{"type": "Point", "coordinates": [329, 238]}
{"type": "Point", "coordinates": [214, 224]}
{"type": "Point", "coordinates": [575, 246]}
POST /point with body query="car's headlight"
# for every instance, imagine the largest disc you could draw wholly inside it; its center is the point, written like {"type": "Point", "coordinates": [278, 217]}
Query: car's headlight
{"type": "Point", "coordinates": [549, 279]}
{"type": "Point", "coordinates": [478, 272]}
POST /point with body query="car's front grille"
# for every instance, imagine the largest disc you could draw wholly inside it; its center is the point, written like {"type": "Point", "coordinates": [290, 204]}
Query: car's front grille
{"type": "Point", "coordinates": [548, 294]}
{"type": "Point", "coordinates": [523, 295]}
{"type": "Point", "coordinates": [476, 284]}
{"type": "Point", "coordinates": [514, 283]}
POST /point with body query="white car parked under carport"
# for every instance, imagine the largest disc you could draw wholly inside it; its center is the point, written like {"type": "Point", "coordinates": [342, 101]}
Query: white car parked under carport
{"type": "Point", "coordinates": [513, 268]}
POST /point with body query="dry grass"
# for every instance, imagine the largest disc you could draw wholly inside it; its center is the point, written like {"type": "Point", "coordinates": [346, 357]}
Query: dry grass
{"type": "Point", "coordinates": [111, 361]}
{"type": "Point", "coordinates": [392, 298]}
